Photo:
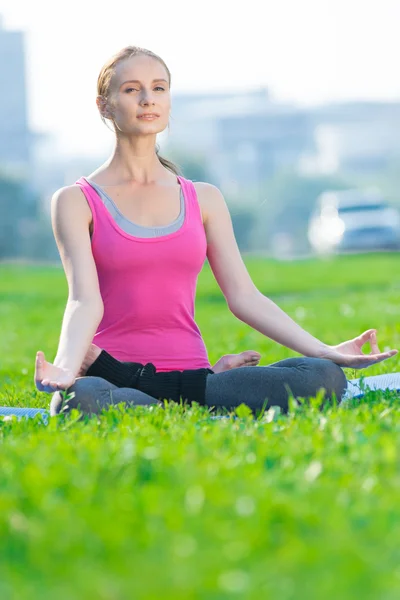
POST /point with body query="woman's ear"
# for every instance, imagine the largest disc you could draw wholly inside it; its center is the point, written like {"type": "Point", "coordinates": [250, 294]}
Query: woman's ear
{"type": "Point", "coordinates": [102, 105]}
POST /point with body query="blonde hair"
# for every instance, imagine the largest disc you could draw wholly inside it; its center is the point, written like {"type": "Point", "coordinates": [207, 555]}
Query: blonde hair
{"type": "Point", "coordinates": [104, 81]}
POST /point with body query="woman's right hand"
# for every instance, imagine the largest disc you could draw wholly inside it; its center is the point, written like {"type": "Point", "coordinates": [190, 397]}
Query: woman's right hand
{"type": "Point", "coordinates": [350, 354]}
{"type": "Point", "coordinates": [49, 378]}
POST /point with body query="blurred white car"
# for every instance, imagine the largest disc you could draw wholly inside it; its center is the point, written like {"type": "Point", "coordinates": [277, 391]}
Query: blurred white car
{"type": "Point", "coordinates": [353, 220]}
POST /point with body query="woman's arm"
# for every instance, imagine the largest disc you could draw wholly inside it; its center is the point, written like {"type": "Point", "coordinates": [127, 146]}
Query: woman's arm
{"type": "Point", "coordinates": [71, 217]}
{"type": "Point", "coordinates": [245, 301]}
{"type": "Point", "coordinates": [249, 305]}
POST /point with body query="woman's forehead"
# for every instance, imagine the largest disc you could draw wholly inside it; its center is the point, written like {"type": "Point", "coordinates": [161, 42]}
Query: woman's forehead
{"type": "Point", "coordinates": [141, 68]}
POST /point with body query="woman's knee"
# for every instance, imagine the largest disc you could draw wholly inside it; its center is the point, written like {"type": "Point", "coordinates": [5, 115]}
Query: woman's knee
{"type": "Point", "coordinates": [332, 377]}
{"type": "Point", "coordinates": [319, 373]}
{"type": "Point", "coordinates": [86, 394]}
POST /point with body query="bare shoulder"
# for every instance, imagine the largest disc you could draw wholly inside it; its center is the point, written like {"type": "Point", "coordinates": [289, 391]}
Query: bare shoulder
{"type": "Point", "coordinates": [210, 198]}
{"type": "Point", "coordinates": [70, 199]}
{"type": "Point", "coordinates": [68, 193]}
{"type": "Point", "coordinates": [207, 191]}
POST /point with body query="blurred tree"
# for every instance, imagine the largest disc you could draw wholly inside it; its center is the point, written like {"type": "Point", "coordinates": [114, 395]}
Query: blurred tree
{"type": "Point", "coordinates": [18, 205]}
{"type": "Point", "coordinates": [192, 166]}
{"type": "Point", "coordinates": [243, 223]}
{"type": "Point", "coordinates": [193, 169]}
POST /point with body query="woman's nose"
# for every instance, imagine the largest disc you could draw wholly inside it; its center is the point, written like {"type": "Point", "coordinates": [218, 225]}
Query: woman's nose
{"type": "Point", "coordinates": [147, 98]}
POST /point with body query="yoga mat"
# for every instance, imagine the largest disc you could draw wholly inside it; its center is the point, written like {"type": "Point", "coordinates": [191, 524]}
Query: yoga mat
{"type": "Point", "coordinates": [356, 388]}
{"type": "Point", "coordinates": [8, 411]}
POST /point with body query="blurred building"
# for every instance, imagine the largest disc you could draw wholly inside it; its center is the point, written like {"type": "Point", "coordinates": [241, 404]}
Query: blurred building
{"type": "Point", "coordinates": [16, 140]}
{"type": "Point", "coordinates": [246, 137]}
{"type": "Point", "coordinates": [355, 137]}
{"type": "Point", "coordinates": [242, 136]}
{"type": "Point", "coordinates": [255, 145]}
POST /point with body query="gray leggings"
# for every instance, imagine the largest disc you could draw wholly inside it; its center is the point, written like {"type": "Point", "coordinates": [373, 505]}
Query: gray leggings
{"type": "Point", "coordinates": [255, 386]}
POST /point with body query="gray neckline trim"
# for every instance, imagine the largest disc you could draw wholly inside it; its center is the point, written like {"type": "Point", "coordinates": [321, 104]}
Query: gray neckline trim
{"type": "Point", "coordinates": [133, 228]}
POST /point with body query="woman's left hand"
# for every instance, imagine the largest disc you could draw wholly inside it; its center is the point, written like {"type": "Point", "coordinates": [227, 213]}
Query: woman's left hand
{"type": "Point", "coordinates": [49, 378]}
{"type": "Point", "coordinates": [350, 355]}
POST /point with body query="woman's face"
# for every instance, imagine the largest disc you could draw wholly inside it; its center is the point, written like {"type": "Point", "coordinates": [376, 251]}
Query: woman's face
{"type": "Point", "coordinates": [140, 99]}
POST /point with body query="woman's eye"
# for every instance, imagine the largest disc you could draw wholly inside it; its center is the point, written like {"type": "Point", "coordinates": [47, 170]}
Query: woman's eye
{"type": "Point", "coordinates": [158, 88]}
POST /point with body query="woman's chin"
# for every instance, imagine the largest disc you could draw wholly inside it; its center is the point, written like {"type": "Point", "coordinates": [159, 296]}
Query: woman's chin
{"type": "Point", "coordinates": [147, 128]}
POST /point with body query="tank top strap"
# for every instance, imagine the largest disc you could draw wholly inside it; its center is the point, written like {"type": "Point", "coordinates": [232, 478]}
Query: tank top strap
{"type": "Point", "coordinates": [95, 202]}
{"type": "Point", "coordinates": [192, 202]}
{"type": "Point", "coordinates": [100, 214]}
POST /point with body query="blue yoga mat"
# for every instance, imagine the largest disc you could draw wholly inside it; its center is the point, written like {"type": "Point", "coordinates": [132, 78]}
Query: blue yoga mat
{"type": "Point", "coordinates": [9, 411]}
{"type": "Point", "coordinates": [356, 388]}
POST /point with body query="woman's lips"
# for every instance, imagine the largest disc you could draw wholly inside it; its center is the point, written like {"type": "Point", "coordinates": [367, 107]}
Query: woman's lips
{"type": "Point", "coordinates": [148, 117]}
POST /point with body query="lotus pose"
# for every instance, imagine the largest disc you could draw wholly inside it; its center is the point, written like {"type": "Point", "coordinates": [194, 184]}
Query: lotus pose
{"type": "Point", "coordinates": [133, 237]}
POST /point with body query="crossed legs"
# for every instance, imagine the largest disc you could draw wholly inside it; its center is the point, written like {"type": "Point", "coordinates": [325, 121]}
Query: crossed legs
{"type": "Point", "coordinates": [255, 386]}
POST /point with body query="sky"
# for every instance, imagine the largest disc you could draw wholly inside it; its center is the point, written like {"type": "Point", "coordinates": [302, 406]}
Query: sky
{"type": "Point", "coordinates": [306, 52]}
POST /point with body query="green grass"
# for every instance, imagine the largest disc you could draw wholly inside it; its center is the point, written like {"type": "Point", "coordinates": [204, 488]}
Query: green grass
{"type": "Point", "coordinates": [151, 504]}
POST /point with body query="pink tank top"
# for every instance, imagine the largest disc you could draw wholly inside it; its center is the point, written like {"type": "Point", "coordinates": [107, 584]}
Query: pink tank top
{"type": "Point", "coordinates": [148, 287]}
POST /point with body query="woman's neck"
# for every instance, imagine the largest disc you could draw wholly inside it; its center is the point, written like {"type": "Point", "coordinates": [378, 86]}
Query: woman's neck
{"type": "Point", "coordinates": [132, 161]}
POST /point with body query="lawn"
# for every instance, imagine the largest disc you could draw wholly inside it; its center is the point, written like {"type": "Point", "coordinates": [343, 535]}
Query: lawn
{"type": "Point", "coordinates": [169, 503]}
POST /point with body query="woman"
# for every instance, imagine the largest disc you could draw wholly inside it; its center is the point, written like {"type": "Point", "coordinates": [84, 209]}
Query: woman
{"type": "Point", "coordinates": [132, 268]}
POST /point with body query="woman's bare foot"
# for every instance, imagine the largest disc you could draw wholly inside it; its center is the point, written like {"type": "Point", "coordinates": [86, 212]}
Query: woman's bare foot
{"type": "Point", "coordinates": [91, 355]}
{"type": "Point", "coordinates": [248, 358]}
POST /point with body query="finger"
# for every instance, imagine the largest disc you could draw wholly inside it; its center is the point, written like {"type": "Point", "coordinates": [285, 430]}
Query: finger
{"type": "Point", "coordinates": [50, 387]}
{"type": "Point", "coordinates": [61, 386]}
{"type": "Point", "coordinates": [50, 384]}
{"type": "Point", "coordinates": [383, 355]}
{"type": "Point", "coordinates": [40, 357]}
{"type": "Point", "coordinates": [39, 365]}
{"type": "Point", "coordinates": [357, 361]}
{"type": "Point", "coordinates": [374, 344]}
{"type": "Point", "coordinates": [57, 385]}
{"type": "Point", "coordinates": [375, 358]}
{"type": "Point", "coordinates": [365, 337]}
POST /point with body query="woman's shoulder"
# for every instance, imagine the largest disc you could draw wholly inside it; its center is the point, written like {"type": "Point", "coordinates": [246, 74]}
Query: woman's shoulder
{"type": "Point", "coordinates": [70, 198]}
{"type": "Point", "coordinates": [68, 192]}
{"type": "Point", "coordinates": [207, 191]}
{"type": "Point", "coordinates": [209, 198]}
{"type": "Point", "coordinates": [208, 194]}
